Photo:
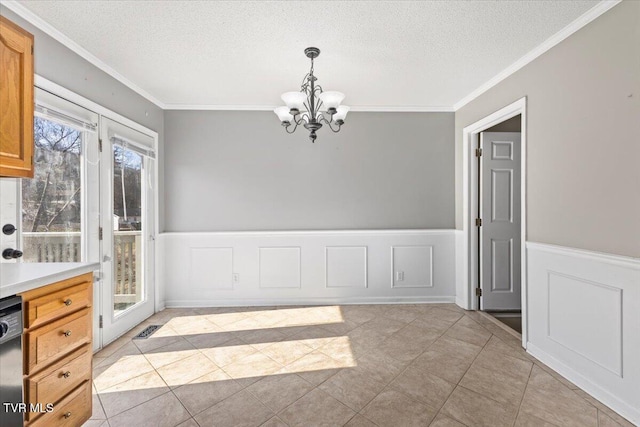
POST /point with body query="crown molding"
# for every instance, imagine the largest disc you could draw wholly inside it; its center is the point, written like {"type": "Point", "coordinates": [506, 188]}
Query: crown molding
{"type": "Point", "coordinates": [357, 108]}
{"type": "Point", "coordinates": [552, 41]}
{"type": "Point", "coordinates": [561, 35]}
{"type": "Point", "coordinates": [402, 109]}
{"type": "Point", "coordinates": [54, 33]}
{"type": "Point", "coordinates": [219, 107]}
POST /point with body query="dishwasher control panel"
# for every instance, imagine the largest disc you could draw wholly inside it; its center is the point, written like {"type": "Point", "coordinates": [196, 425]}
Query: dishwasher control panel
{"type": "Point", "coordinates": [10, 318]}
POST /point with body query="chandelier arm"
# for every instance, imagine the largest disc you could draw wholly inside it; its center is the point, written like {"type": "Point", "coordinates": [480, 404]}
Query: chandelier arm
{"type": "Point", "coordinates": [330, 119]}
{"type": "Point", "coordinates": [299, 121]}
{"type": "Point", "coordinates": [334, 130]}
{"type": "Point", "coordinates": [329, 123]}
{"type": "Point", "coordinates": [294, 128]}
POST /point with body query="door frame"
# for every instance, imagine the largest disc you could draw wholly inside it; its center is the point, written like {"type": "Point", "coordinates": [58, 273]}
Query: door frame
{"type": "Point", "coordinates": [62, 92]}
{"type": "Point", "coordinates": [469, 258]}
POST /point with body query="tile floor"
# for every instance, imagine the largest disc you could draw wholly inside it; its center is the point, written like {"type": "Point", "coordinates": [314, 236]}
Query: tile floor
{"type": "Point", "coordinates": [367, 365]}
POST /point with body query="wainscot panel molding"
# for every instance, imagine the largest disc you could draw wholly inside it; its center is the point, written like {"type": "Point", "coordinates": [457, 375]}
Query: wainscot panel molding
{"type": "Point", "coordinates": [306, 267]}
{"type": "Point", "coordinates": [584, 321]}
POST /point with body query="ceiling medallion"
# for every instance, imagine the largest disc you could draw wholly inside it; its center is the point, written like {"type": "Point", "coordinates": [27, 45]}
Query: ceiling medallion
{"type": "Point", "coordinates": [312, 107]}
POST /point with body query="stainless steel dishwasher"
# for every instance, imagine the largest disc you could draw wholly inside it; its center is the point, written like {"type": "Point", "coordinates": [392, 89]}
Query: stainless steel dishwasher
{"type": "Point", "coordinates": [11, 362]}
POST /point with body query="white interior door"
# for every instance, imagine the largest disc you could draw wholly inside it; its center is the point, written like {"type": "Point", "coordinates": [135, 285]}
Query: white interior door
{"type": "Point", "coordinates": [500, 214]}
{"type": "Point", "coordinates": [127, 252]}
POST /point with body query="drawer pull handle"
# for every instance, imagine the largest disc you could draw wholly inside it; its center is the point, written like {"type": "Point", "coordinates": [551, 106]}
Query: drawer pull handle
{"type": "Point", "coordinates": [67, 302]}
{"type": "Point", "coordinates": [67, 415]}
{"type": "Point", "coordinates": [66, 374]}
{"type": "Point", "coordinates": [67, 333]}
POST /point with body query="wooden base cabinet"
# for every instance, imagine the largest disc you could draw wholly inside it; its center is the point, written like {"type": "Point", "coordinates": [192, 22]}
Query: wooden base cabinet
{"type": "Point", "coordinates": [57, 351]}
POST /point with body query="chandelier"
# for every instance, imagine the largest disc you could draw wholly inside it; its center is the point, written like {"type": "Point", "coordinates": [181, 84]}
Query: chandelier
{"type": "Point", "coordinates": [312, 107]}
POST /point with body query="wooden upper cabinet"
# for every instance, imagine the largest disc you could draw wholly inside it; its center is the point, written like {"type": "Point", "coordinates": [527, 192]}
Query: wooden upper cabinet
{"type": "Point", "coordinates": [16, 100]}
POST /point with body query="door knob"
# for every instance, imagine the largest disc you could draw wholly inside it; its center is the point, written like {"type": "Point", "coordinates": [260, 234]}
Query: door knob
{"type": "Point", "coordinates": [11, 253]}
{"type": "Point", "coordinates": [8, 229]}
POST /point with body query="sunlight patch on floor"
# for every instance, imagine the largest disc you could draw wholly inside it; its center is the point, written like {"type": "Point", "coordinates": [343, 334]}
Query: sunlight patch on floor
{"type": "Point", "coordinates": [236, 360]}
{"type": "Point", "coordinates": [251, 320]}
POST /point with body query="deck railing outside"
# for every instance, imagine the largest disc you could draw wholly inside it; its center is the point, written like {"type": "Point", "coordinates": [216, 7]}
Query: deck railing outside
{"type": "Point", "coordinates": [65, 247]}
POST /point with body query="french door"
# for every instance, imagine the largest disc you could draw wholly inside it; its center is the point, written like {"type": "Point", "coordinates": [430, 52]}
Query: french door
{"type": "Point", "coordinates": [127, 171]}
{"type": "Point", "coordinates": [92, 199]}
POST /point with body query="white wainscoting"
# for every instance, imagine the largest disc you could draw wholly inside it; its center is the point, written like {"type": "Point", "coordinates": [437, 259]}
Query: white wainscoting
{"type": "Point", "coordinates": [462, 272]}
{"type": "Point", "coordinates": [279, 267]}
{"type": "Point", "coordinates": [412, 266]}
{"type": "Point", "coordinates": [315, 267]}
{"type": "Point", "coordinates": [346, 266]}
{"type": "Point", "coordinates": [584, 321]}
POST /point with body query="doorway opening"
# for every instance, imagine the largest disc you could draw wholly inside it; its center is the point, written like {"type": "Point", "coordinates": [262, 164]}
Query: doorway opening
{"type": "Point", "coordinates": [498, 155]}
{"type": "Point", "coordinates": [494, 216]}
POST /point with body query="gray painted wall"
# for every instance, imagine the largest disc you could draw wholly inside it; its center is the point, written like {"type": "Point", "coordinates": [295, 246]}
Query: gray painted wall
{"type": "Point", "coordinates": [239, 170]}
{"type": "Point", "coordinates": [61, 65]}
{"type": "Point", "coordinates": [513, 124]}
{"type": "Point", "coordinates": [583, 136]}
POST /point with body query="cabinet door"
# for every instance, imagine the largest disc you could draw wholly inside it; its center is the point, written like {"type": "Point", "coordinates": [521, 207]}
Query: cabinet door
{"type": "Point", "coordinates": [16, 100]}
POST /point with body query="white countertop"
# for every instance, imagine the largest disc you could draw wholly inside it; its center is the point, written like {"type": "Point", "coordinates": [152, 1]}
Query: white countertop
{"type": "Point", "coordinates": [21, 277]}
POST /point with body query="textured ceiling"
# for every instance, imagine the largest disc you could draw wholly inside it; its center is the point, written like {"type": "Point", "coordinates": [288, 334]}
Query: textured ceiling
{"type": "Point", "coordinates": [417, 54]}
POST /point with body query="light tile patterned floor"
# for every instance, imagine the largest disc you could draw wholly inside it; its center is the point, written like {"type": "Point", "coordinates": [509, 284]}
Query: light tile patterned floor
{"type": "Point", "coordinates": [356, 365]}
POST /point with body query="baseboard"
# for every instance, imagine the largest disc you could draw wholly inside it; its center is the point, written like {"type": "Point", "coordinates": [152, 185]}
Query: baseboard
{"type": "Point", "coordinates": [307, 301]}
{"type": "Point", "coordinates": [460, 302]}
{"type": "Point", "coordinates": [630, 413]}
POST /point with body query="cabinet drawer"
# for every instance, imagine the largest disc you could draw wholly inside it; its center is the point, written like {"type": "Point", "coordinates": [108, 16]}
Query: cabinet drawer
{"type": "Point", "coordinates": [45, 344]}
{"type": "Point", "coordinates": [57, 304]}
{"type": "Point", "coordinates": [73, 410]}
{"type": "Point", "coordinates": [59, 379]}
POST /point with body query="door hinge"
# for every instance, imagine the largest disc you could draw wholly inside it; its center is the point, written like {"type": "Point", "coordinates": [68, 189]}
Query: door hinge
{"type": "Point", "coordinates": [31, 49]}
{"type": "Point", "coordinates": [478, 152]}
{"type": "Point", "coordinates": [100, 233]}
{"type": "Point", "coordinates": [100, 145]}
{"type": "Point", "coordinates": [478, 222]}
{"type": "Point", "coordinates": [478, 292]}
{"type": "Point", "coordinates": [100, 321]}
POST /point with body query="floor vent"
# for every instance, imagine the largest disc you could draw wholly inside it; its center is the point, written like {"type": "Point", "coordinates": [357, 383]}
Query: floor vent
{"type": "Point", "coordinates": [147, 332]}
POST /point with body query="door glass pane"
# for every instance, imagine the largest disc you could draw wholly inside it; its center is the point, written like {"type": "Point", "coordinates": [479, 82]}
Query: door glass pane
{"type": "Point", "coordinates": [127, 232]}
{"type": "Point", "coordinates": [52, 200]}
